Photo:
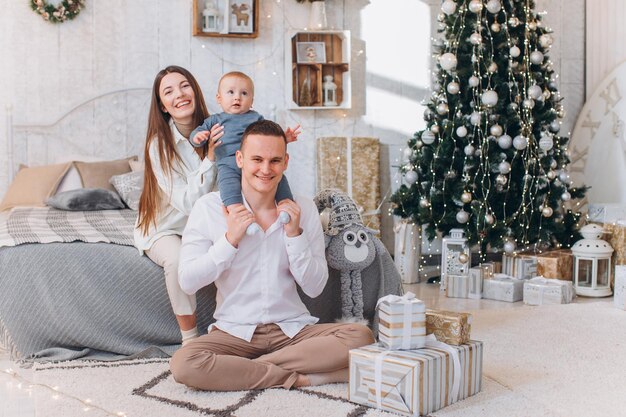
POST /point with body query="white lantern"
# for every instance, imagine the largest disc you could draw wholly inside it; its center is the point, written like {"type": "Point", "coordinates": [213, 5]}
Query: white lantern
{"type": "Point", "coordinates": [455, 254]}
{"type": "Point", "coordinates": [330, 91]}
{"type": "Point", "coordinates": [592, 263]}
{"type": "Point", "coordinates": [210, 17]}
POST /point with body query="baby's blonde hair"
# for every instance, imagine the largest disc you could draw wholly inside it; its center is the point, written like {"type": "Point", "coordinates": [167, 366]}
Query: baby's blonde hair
{"type": "Point", "coordinates": [236, 74]}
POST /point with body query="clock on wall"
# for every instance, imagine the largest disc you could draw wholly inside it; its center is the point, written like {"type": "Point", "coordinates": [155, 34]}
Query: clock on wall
{"type": "Point", "coordinates": [598, 146]}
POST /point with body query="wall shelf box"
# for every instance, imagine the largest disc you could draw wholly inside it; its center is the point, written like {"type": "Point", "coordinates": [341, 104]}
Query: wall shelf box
{"type": "Point", "coordinates": [233, 27]}
{"type": "Point", "coordinates": [309, 57]}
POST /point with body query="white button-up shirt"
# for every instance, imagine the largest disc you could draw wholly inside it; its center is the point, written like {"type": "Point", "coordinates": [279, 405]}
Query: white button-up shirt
{"type": "Point", "coordinates": [188, 182]}
{"type": "Point", "coordinates": [256, 282]}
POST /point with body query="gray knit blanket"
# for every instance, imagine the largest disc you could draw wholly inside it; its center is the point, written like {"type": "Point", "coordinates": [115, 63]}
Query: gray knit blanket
{"type": "Point", "coordinates": [47, 225]}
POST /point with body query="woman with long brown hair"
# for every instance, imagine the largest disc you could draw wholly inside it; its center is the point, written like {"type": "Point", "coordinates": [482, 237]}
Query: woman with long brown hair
{"type": "Point", "coordinates": [175, 176]}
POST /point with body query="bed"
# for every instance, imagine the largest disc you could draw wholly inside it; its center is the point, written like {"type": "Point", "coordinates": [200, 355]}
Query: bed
{"type": "Point", "coordinates": [71, 283]}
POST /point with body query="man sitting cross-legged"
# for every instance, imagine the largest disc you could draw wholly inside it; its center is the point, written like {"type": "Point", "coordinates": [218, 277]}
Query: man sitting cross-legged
{"type": "Point", "coordinates": [263, 335]}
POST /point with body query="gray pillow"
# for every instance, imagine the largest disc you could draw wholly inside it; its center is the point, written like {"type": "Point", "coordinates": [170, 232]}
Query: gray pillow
{"type": "Point", "coordinates": [129, 187]}
{"type": "Point", "coordinates": [86, 199]}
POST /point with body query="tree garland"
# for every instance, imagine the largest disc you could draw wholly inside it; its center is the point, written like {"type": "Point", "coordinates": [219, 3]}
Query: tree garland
{"type": "Point", "coordinates": [67, 10]}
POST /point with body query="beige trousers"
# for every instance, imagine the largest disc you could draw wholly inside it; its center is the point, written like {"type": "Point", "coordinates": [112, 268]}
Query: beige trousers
{"type": "Point", "coordinates": [219, 361]}
{"type": "Point", "coordinates": [165, 252]}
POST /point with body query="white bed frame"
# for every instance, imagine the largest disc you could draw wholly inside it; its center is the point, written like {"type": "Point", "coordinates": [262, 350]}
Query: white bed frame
{"type": "Point", "coordinates": [110, 125]}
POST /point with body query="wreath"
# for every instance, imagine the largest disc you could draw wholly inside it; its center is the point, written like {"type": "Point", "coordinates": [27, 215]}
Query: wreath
{"type": "Point", "coordinates": [67, 10]}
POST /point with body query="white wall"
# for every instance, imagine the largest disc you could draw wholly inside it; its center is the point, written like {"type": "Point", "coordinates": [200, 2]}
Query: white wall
{"type": "Point", "coordinates": [115, 44]}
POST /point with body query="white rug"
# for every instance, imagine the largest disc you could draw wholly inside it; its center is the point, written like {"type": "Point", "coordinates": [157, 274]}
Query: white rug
{"type": "Point", "coordinates": [565, 360]}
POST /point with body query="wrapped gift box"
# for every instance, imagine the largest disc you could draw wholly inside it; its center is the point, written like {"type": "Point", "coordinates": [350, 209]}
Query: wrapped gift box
{"type": "Point", "coordinates": [606, 213]}
{"type": "Point", "coordinates": [413, 382]}
{"type": "Point", "coordinates": [457, 286]}
{"type": "Point", "coordinates": [619, 295]}
{"type": "Point", "coordinates": [408, 244]}
{"type": "Point", "coordinates": [616, 236]}
{"type": "Point", "coordinates": [556, 264]}
{"type": "Point", "coordinates": [402, 322]}
{"type": "Point", "coordinates": [489, 268]}
{"type": "Point", "coordinates": [539, 291]}
{"type": "Point", "coordinates": [521, 266]}
{"type": "Point", "coordinates": [477, 274]}
{"type": "Point", "coordinates": [448, 326]}
{"type": "Point", "coordinates": [352, 166]}
{"type": "Point", "coordinates": [503, 288]}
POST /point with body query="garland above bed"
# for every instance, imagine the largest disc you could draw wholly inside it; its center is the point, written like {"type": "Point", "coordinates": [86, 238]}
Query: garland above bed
{"type": "Point", "coordinates": [67, 10]}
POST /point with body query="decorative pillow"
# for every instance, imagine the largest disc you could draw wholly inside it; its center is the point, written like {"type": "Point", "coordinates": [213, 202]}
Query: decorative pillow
{"type": "Point", "coordinates": [71, 180]}
{"type": "Point", "coordinates": [137, 165]}
{"type": "Point", "coordinates": [32, 186]}
{"type": "Point", "coordinates": [129, 187]}
{"type": "Point", "coordinates": [86, 199]}
{"type": "Point", "coordinates": [97, 174]}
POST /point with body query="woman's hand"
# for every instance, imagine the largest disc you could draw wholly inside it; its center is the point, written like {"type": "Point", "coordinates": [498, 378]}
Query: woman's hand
{"type": "Point", "coordinates": [217, 131]}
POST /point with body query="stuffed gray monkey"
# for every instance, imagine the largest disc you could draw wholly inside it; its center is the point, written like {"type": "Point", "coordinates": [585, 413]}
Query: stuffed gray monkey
{"type": "Point", "coordinates": [350, 248]}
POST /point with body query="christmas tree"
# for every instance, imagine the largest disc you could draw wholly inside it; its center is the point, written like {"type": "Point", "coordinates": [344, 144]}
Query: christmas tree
{"type": "Point", "coordinates": [491, 160]}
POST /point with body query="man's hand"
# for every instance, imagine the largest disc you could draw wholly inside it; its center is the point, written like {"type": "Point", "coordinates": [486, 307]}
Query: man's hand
{"type": "Point", "coordinates": [292, 134]}
{"type": "Point", "coordinates": [292, 229]}
{"type": "Point", "coordinates": [238, 218]}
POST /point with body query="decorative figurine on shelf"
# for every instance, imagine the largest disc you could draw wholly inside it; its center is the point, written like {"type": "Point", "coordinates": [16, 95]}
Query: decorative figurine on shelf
{"type": "Point", "coordinates": [306, 98]}
{"type": "Point", "coordinates": [330, 91]}
{"type": "Point", "coordinates": [210, 17]}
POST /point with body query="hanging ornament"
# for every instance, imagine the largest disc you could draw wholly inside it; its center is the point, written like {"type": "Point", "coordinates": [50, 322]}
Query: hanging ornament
{"type": "Point", "coordinates": [410, 177]}
{"type": "Point", "coordinates": [451, 174]}
{"type": "Point", "coordinates": [466, 197]}
{"type": "Point", "coordinates": [469, 150]}
{"type": "Point", "coordinates": [546, 143]}
{"type": "Point", "coordinates": [489, 219]}
{"type": "Point", "coordinates": [509, 246]}
{"type": "Point", "coordinates": [474, 59]}
{"type": "Point", "coordinates": [418, 144]}
{"type": "Point", "coordinates": [475, 6]}
{"type": "Point", "coordinates": [513, 106]}
{"type": "Point", "coordinates": [475, 118]}
{"type": "Point", "coordinates": [520, 142]}
{"type": "Point", "coordinates": [495, 27]}
{"type": "Point", "coordinates": [424, 202]}
{"type": "Point", "coordinates": [566, 196]}
{"type": "Point", "coordinates": [514, 51]}
{"type": "Point", "coordinates": [448, 7]}
{"type": "Point", "coordinates": [504, 167]}
{"type": "Point", "coordinates": [505, 141]}
{"type": "Point", "coordinates": [536, 57]}
{"type": "Point", "coordinates": [551, 175]}
{"type": "Point", "coordinates": [463, 258]}
{"type": "Point", "coordinates": [564, 176]}
{"type": "Point", "coordinates": [462, 216]}
{"type": "Point", "coordinates": [475, 38]}
{"type": "Point", "coordinates": [532, 25]}
{"type": "Point", "coordinates": [473, 81]}
{"type": "Point", "coordinates": [489, 98]}
{"type": "Point", "coordinates": [547, 211]}
{"type": "Point", "coordinates": [493, 6]}
{"type": "Point", "coordinates": [496, 130]}
{"type": "Point", "coordinates": [534, 91]}
{"type": "Point", "coordinates": [553, 164]}
{"type": "Point", "coordinates": [555, 126]}
{"type": "Point", "coordinates": [513, 22]}
{"type": "Point", "coordinates": [453, 87]}
{"type": "Point", "coordinates": [428, 114]}
{"type": "Point", "coordinates": [493, 67]}
{"type": "Point", "coordinates": [545, 40]}
{"type": "Point", "coordinates": [434, 128]}
{"type": "Point", "coordinates": [407, 153]}
{"type": "Point", "coordinates": [441, 17]}
{"type": "Point", "coordinates": [528, 103]}
{"type": "Point", "coordinates": [501, 179]}
{"type": "Point", "coordinates": [448, 61]}
{"type": "Point", "coordinates": [461, 131]}
{"type": "Point", "coordinates": [428, 137]}
{"type": "Point", "coordinates": [442, 108]}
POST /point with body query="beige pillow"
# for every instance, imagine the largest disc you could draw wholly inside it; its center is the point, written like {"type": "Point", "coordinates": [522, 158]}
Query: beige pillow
{"type": "Point", "coordinates": [33, 186]}
{"type": "Point", "coordinates": [97, 174]}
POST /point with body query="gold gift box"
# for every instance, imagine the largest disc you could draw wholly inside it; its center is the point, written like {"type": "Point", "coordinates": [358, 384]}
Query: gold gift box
{"type": "Point", "coordinates": [364, 158]}
{"type": "Point", "coordinates": [616, 236]}
{"type": "Point", "coordinates": [448, 326]}
{"type": "Point", "coordinates": [557, 264]}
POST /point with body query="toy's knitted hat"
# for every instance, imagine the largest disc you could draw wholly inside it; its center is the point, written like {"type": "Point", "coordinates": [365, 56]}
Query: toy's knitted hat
{"type": "Point", "coordinates": [344, 211]}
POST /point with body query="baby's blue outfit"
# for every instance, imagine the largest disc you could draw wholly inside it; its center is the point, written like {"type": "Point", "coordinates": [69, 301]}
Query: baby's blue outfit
{"type": "Point", "coordinates": [228, 173]}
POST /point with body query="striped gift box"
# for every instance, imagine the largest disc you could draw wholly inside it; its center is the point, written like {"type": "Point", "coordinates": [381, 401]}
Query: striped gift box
{"type": "Point", "coordinates": [503, 288]}
{"type": "Point", "coordinates": [477, 276]}
{"type": "Point", "coordinates": [448, 326]}
{"type": "Point", "coordinates": [539, 291]}
{"type": "Point", "coordinates": [619, 299]}
{"type": "Point", "coordinates": [402, 322]}
{"type": "Point", "coordinates": [458, 286]}
{"type": "Point", "coordinates": [413, 382]}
